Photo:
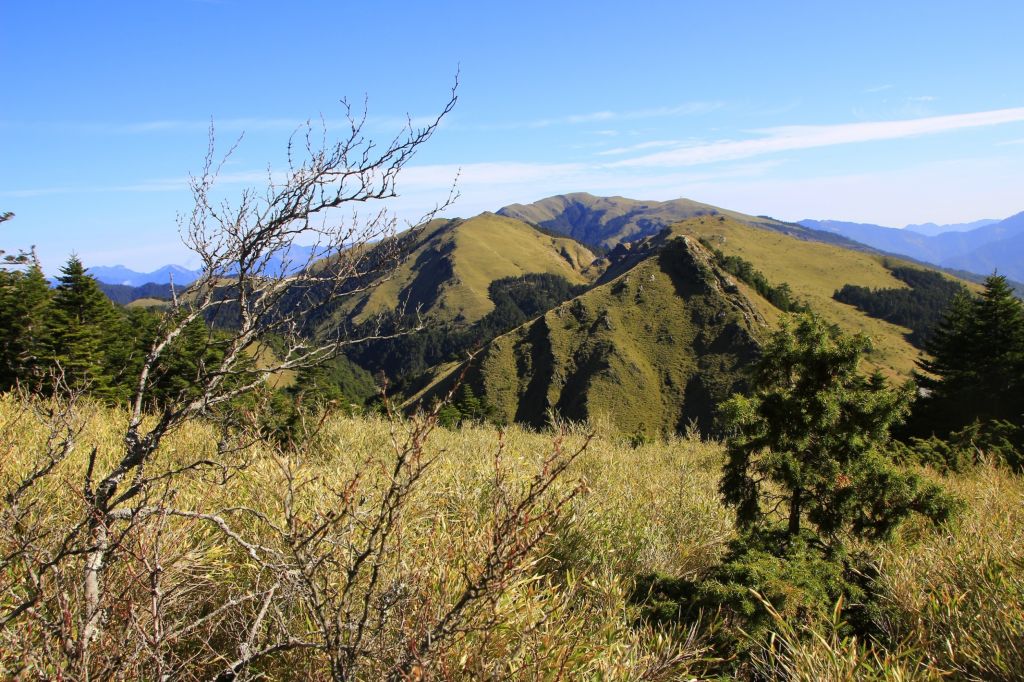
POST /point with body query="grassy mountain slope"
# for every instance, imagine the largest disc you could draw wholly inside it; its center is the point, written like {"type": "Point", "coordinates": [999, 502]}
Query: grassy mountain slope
{"type": "Point", "coordinates": [604, 222]}
{"type": "Point", "coordinates": [665, 334]}
{"type": "Point", "coordinates": [814, 271]}
{"type": "Point", "coordinates": [454, 262]}
{"type": "Point", "coordinates": [152, 303]}
{"type": "Point", "coordinates": [650, 349]}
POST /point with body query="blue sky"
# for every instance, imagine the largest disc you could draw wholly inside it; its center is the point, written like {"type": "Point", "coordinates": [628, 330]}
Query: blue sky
{"type": "Point", "coordinates": [891, 113]}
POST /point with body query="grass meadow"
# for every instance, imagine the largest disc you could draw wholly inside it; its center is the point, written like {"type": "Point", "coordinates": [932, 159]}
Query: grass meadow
{"type": "Point", "coordinates": [181, 591]}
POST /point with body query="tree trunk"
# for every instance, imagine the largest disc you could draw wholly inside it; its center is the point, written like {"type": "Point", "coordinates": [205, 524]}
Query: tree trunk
{"type": "Point", "coordinates": [794, 512]}
{"type": "Point", "coordinates": [93, 611]}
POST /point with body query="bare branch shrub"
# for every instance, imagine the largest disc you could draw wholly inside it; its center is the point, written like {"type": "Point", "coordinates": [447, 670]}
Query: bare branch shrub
{"type": "Point", "coordinates": [176, 539]}
{"type": "Point", "coordinates": [54, 571]}
{"type": "Point", "coordinates": [208, 585]}
{"type": "Point", "coordinates": [336, 572]}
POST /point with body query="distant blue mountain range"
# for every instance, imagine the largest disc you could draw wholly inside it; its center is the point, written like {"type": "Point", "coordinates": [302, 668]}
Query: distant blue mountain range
{"type": "Point", "coordinates": [981, 247]}
{"type": "Point", "coordinates": [119, 274]}
{"type": "Point", "coordinates": [124, 285]}
{"type": "Point", "coordinates": [931, 229]}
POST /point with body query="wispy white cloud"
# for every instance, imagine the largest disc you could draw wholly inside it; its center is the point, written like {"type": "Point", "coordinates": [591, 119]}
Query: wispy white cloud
{"type": "Point", "coordinates": [491, 174]}
{"type": "Point", "coordinates": [686, 109]}
{"type": "Point", "coordinates": [662, 112]}
{"type": "Point", "coordinates": [583, 118]}
{"type": "Point", "coordinates": [789, 138]}
{"type": "Point", "coordinates": [230, 125]}
{"type": "Point", "coordinates": [153, 185]}
{"type": "Point", "coordinates": [148, 186]}
{"type": "Point", "coordinates": [233, 124]}
{"type": "Point", "coordinates": [653, 144]}
{"type": "Point", "coordinates": [960, 190]}
{"type": "Point", "coordinates": [766, 112]}
{"type": "Point", "coordinates": [1010, 142]}
{"type": "Point", "coordinates": [488, 186]}
{"type": "Point", "coordinates": [156, 126]}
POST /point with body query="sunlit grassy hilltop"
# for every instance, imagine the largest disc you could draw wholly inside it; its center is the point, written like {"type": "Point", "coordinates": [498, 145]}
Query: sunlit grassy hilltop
{"type": "Point", "coordinates": [813, 263]}
{"type": "Point", "coordinates": [665, 334]}
{"type": "Point", "coordinates": [452, 264]}
{"type": "Point", "coordinates": [814, 271]}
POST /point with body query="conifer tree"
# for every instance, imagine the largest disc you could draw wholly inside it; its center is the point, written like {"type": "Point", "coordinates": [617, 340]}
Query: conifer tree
{"type": "Point", "coordinates": [85, 331]}
{"type": "Point", "coordinates": [976, 369]}
{"type": "Point", "coordinates": [471, 407]}
{"type": "Point", "coordinates": [810, 440]}
{"type": "Point", "coordinates": [24, 303]}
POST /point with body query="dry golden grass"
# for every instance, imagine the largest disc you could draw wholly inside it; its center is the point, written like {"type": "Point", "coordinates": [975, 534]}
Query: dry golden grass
{"type": "Point", "coordinates": [566, 618]}
{"type": "Point", "coordinates": [958, 595]}
{"type": "Point", "coordinates": [954, 597]}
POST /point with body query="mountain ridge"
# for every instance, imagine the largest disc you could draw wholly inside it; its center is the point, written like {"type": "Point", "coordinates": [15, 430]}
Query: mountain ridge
{"type": "Point", "coordinates": [933, 229]}
{"type": "Point", "coordinates": [122, 275]}
{"type": "Point", "coordinates": [664, 334]}
{"type": "Point", "coordinates": [650, 328]}
{"type": "Point", "coordinates": [452, 262]}
{"type": "Point", "coordinates": [651, 348]}
{"type": "Point", "coordinates": [606, 222]}
{"type": "Point", "coordinates": [298, 258]}
{"type": "Point", "coordinates": [601, 223]}
{"type": "Point", "coordinates": [811, 264]}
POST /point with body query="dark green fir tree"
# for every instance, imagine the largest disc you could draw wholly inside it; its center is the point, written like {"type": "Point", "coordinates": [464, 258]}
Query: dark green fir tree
{"type": "Point", "coordinates": [24, 308]}
{"type": "Point", "coordinates": [810, 441]}
{"type": "Point", "coordinates": [976, 368]}
{"type": "Point", "coordinates": [86, 332]}
{"type": "Point", "coordinates": [808, 469]}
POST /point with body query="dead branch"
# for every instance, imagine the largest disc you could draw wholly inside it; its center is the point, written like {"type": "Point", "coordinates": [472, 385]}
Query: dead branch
{"type": "Point", "coordinates": [252, 287]}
